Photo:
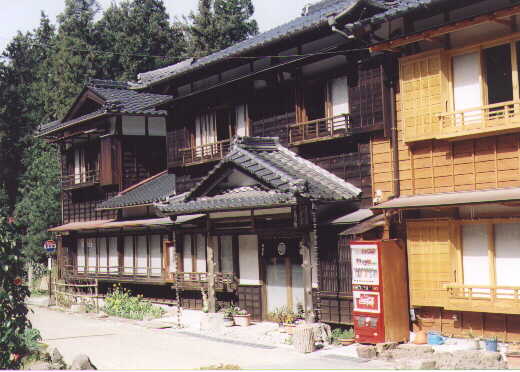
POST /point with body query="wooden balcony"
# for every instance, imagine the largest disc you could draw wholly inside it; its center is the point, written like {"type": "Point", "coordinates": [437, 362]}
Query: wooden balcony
{"type": "Point", "coordinates": [203, 153]}
{"type": "Point", "coordinates": [478, 121]}
{"type": "Point", "coordinates": [320, 129]}
{"type": "Point", "coordinates": [80, 180]}
{"type": "Point", "coordinates": [186, 280]}
{"type": "Point", "coordinates": [483, 298]}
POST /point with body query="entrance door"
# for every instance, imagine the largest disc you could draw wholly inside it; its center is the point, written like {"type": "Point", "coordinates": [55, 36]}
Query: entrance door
{"type": "Point", "coordinates": [283, 274]}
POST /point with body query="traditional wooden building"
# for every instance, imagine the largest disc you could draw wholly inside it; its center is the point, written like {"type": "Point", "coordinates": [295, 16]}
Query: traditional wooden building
{"type": "Point", "coordinates": [450, 172]}
{"type": "Point", "coordinates": [269, 143]}
{"type": "Point", "coordinates": [324, 98]}
{"type": "Point", "coordinates": [113, 161]}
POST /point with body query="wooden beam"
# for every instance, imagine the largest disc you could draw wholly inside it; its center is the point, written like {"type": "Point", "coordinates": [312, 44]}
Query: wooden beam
{"type": "Point", "coordinates": [305, 251]}
{"type": "Point", "coordinates": [430, 34]}
{"type": "Point", "coordinates": [212, 300]}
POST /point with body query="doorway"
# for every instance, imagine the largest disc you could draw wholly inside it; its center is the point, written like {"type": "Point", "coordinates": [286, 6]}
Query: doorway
{"type": "Point", "coordinates": [283, 274]}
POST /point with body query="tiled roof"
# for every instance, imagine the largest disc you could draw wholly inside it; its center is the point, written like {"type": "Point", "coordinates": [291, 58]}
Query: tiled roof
{"type": "Point", "coordinates": [235, 198]}
{"type": "Point", "coordinates": [276, 168]}
{"type": "Point", "coordinates": [149, 191]}
{"type": "Point", "coordinates": [118, 98]}
{"type": "Point", "coordinates": [317, 16]}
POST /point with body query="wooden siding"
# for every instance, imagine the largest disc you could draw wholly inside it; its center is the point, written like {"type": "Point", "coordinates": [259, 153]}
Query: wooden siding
{"type": "Point", "coordinates": [81, 205]}
{"type": "Point", "coordinates": [142, 158]}
{"type": "Point", "coordinates": [275, 126]}
{"type": "Point", "coordinates": [250, 298]}
{"type": "Point", "coordinates": [335, 284]}
{"type": "Point", "coordinates": [506, 327]}
{"type": "Point", "coordinates": [366, 99]}
{"type": "Point", "coordinates": [429, 262]}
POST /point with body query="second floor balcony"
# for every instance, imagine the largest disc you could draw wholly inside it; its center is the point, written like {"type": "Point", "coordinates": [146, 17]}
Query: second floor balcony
{"type": "Point", "coordinates": [472, 122]}
{"type": "Point", "coordinates": [320, 129]}
{"type": "Point", "coordinates": [203, 153]}
{"type": "Point", "coordinates": [80, 179]}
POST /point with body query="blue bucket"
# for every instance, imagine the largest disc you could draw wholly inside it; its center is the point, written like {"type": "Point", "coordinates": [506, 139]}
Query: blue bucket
{"type": "Point", "coordinates": [491, 345]}
{"type": "Point", "coordinates": [435, 338]}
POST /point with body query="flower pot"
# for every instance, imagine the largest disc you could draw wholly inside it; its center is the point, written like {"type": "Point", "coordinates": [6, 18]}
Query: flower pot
{"type": "Point", "coordinates": [435, 338]}
{"type": "Point", "coordinates": [513, 360]}
{"type": "Point", "coordinates": [346, 341]}
{"type": "Point", "coordinates": [242, 320]}
{"type": "Point", "coordinates": [289, 328]}
{"type": "Point", "coordinates": [491, 345]}
{"type": "Point", "coordinates": [228, 322]}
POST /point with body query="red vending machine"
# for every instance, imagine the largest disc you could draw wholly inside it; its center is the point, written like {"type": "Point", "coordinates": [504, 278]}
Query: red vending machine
{"type": "Point", "coordinates": [379, 291]}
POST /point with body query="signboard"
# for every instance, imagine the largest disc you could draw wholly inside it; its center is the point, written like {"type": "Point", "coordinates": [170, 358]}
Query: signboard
{"type": "Point", "coordinates": [365, 264]}
{"type": "Point", "coordinates": [50, 246]}
{"type": "Point", "coordinates": [366, 302]}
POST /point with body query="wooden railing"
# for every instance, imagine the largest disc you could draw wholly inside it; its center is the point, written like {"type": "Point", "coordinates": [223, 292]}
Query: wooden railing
{"type": "Point", "coordinates": [187, 280]}
{"type": "Point", "coordinates": [477, 120]}
{"type": "Point", "coordinates": [467, 297]}
{"type": "Point", "coordinates": [320, 129]}
{"type": "Point", "coordinates": [196, 280]}
{"type": "Point", "coordinates": [203, 153]}
{"type": "Point", "coordinates": [80, 179]}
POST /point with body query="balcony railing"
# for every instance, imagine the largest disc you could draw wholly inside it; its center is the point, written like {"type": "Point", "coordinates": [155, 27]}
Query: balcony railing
{"type": "Point", "coordinates": [186, 280]}
{"type": "Point", "coordinates": [203, 153]}
{"type": "Point", "coordinates": [483, 298]}
{"type": "Point", "coordinates": [498, 117]}
{"type": "Point", "coordinates": [320, 129]}
{"type": "Point", "coordinates": [196, 280]}
{"type": "Point", "coordinates": [80, 179]}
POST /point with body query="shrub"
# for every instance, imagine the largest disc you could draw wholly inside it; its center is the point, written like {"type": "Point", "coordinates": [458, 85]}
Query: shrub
{"type": "Point", "coordinates": [338, 333]}
{"type": "Point", "coordinates": [121, 303]}
{"type": "Point", "coordinates": [13, 311]}
{"type": "Point", "coordinates": [283, 315]}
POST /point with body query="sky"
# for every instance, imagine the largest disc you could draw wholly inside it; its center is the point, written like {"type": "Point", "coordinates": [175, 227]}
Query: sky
{"type": "Point", "coordinates": [24, 15]}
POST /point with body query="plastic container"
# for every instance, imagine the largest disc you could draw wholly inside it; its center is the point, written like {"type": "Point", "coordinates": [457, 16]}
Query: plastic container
{"type": "Point", "coordinates": [491, 345]}
{"type": "Point", "coordinates": [435, 338]}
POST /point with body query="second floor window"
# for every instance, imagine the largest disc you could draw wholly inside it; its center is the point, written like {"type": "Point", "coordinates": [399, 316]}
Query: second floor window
{"type": "Point", "coordinates": [220, 125]}
{"type": "Point", "coordinates": [83, 164]}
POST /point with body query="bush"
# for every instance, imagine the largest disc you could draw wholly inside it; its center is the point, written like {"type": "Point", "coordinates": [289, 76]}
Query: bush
{"type": "Point", "coordinates": [338, 333]}
{"type": "Point", "coordinates": [121, 303]}
{"type": "Point", "coordinates": [13, 311]}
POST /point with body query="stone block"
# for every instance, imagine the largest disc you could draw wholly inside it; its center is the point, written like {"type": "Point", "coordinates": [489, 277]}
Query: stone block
{"type": "Point", "coordinates": [82, 363]}
{"type": "Point", "coordinates": [40, 366]}
{"type": "Point", "coordinates": [78, 308]}
{"type": "Point", "coordinates": [56, 356]}
{"type": "Point", "coordinates": [417, 364]}
{"type": "Point", "coordinates": [366, 351]}
{"type": "Point", "coordinates": [212, 322]}
{"type": "Point", "coordinates": [384, 346]}
{"type": "Point", "coordinates": [411, 351]}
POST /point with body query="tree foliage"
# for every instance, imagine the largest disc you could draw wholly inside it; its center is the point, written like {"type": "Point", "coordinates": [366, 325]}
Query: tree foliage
{"type": "Point", "coordinates": [218, 24]}
{"type": "Point", "coordinates": [13, 311]}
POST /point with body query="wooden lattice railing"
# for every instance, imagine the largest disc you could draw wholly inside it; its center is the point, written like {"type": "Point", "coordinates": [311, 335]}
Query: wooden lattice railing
{"type": "Point", "coordinates": [203, 153]}
{"type": "Point", "coordinates": [80, 179]}
{"type": "Point", "coordinates": [320, 129]}
{"type": "Point", "coordinates": [498, 116]}
{"type": "Point", "coordinates": [482, 292]}
{"type": "Point", "coordinates": [196, 280]}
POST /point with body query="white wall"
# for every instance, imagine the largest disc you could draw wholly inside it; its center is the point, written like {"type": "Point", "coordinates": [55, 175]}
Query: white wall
{"type": "Point", "coordinates": [113, 255]}
{"type": "Point", "coordinates": [248, 259]}
{"type": "Point", "coordinates": [134, 126]}
{"type": "Point", "coordinates": [157, 126]}
{"type": "Point", "coordinates": [128, 260]}
{"type": "Point", "coordinates": [155, 255]}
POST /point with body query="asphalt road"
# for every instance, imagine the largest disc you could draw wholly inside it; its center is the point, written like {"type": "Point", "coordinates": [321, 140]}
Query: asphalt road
{"type": "Point", "coordinates": [115, 345]}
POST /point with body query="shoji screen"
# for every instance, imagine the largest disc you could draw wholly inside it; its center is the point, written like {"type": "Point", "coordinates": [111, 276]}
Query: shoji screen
{"type": "Point", "coordinates": [141, 255]}
{"type": "Point", "coordinates": [475, 260]}
{"type": "Point", "coordinates": [128, 254]}
{"type": "Point", "coordinates": [155, 255]}
{"type": "Point", "coordinates": [81, 255]}
{"type": "Point", "coordinates": [113, 255]}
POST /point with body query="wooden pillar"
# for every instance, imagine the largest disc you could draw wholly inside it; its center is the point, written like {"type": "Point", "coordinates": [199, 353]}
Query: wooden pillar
{"type": "Point", "coordinates": [212, 301]}
{"type": "Point", "coordinates": [305, 251]}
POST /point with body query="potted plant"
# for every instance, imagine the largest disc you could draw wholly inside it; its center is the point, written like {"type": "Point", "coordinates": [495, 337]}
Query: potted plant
{"type": "Point", "coordinates": [346, 337]}
{"type": "Point", "coordinates": [241, 317]}
{"type": "Point", "coordinates": [228, 316]}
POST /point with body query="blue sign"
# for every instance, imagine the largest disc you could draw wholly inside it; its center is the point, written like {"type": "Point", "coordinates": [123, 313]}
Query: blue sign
{"type": "Point", "coordinates": [50, 246]}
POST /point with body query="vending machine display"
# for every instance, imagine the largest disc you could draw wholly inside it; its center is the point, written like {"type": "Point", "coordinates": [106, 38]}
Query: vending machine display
{"type": "Point", "coordinates": [379, 316]}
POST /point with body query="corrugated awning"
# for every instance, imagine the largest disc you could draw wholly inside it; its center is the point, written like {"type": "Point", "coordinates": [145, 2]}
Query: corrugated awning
{"type": "Point", "coordinates": [365, 226]}
{"type": "Point", "coordinates": [354, 217]}
{"type": "Point", "coordinates": [113, 224]}
{"type": "Point", "coordinates": [452, 199]}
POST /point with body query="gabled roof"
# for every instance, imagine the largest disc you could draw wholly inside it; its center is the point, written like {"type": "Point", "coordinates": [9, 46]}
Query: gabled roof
{"type": "Point", "coordinates": [316, 16]}
{"type": "Point", "coordinates": [154, 189]}
{"type": "Point", "coordinates": [117, 99]}
{"type": "Point", "coordinates": [280, 177]}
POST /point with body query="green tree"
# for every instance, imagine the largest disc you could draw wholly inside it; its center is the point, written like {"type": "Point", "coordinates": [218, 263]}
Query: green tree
{"type": "Point", "coordinates": [39, 203]}
{"type": "Point", "coordinates": [13, 311]}
{"type": "Point", "coordinates": [74, 60]}
{"type": "Point", "coordinates": [138, 31]}
{"type": "Point", "coordinates": [218, 24]}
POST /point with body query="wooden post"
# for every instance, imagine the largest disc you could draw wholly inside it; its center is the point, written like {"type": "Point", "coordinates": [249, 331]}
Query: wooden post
{"type": "Point", "coordinates": [303, 339]}
{"type": "Point", "coordinates": [212, 303]}
{"type": "Point", "coordinates": [305, 251]}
